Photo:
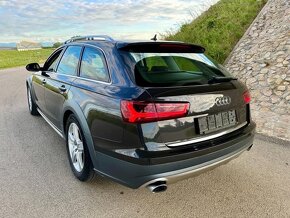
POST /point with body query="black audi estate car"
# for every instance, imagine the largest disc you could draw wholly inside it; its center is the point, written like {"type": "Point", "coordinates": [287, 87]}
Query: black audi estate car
{"type": "Point", "coordinates": [143, 113]}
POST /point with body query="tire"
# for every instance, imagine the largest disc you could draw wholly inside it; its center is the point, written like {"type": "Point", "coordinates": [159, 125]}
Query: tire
{"type": "Point", "coordinates": [31, 104]}
{"type": "Point", "coordinates": [77, 150]}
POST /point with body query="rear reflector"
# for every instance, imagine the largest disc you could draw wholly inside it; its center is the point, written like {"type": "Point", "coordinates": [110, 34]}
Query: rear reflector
{"type": "Point", "coordinates": [247, 97]}
{"type": "Point", "coordinates": [142, 112]}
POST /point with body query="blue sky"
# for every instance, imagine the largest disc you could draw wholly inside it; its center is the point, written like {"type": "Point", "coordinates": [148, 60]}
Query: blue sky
{"type": "Point", "coordinates": [58, 20]}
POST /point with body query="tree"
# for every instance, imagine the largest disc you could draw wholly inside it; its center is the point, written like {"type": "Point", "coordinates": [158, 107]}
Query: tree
{"type": "Point", "coordinates": [57, 44]}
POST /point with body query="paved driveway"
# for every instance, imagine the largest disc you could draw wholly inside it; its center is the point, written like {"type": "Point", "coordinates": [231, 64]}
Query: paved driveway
{"type": "Point", "coordinates": [36, 181]}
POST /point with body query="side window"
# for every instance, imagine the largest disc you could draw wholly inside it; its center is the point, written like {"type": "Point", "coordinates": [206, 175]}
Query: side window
{"type": "Point", "coordinates": [93, 65]}
{"type": "Point", "coordinates": [69, 62]}
{"type": "Point", "coordinates": [52, 62]}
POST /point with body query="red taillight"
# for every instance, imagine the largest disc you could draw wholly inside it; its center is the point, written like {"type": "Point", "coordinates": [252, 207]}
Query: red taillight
{"type": "Point", "coordinates": [142, 112]}
{"type": "Point", "coordinates": [247, 97]}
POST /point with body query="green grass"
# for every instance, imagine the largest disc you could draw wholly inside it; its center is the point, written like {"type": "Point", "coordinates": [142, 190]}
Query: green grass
{"type": "Point", "coordinates": [14, 58]}
{"type": "Point", "coordinates": [219, 28]}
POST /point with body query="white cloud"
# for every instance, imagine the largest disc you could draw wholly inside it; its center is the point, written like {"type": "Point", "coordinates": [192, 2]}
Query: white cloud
{"type": "Point", "coordinates": [58, 20]}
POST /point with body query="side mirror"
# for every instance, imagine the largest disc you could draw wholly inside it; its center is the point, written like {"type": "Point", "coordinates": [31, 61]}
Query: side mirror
{"type": "Point", "coordinates": [34, 67]}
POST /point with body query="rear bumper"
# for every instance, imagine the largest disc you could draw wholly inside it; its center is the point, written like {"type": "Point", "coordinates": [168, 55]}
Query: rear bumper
{"type": "Point", "coordinates": [174, 176]}
{"type": "Point", "coordinates": [140, 175]}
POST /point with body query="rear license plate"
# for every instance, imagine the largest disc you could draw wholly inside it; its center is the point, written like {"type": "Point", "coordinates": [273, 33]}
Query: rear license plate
{"type": "Point", "coordinates": [218, 121]}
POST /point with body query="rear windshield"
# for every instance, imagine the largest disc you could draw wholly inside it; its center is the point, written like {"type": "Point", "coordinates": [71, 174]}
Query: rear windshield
{"type": "Point", "coordinates": [172, 69]}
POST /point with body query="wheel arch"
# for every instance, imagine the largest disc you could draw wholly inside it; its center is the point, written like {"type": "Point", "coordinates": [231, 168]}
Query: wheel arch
{"type": "Point", "coordinates": [66, 115]}
{"type": "Point", "coordinates": [30, 86]}
{"type": "Point", "coordinates": [28, 81]}
{"type": "Point", "coordinates": [71, 107]}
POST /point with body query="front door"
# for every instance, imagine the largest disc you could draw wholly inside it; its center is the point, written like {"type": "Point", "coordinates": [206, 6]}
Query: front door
{"type": "Point", "coordinates": [40, 79]}
{"type": "Point", "coordinates": [58, 83]}
{"type": "Point", "coordinates": [38, 82]}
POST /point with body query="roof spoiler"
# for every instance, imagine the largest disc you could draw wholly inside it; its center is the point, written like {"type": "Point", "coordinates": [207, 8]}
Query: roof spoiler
{"type": "Point", "coordinates": [161, 47]}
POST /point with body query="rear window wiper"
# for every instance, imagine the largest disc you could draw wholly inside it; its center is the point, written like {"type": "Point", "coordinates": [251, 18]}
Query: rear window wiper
{"type": "Point", "coordinates": [220, 79]}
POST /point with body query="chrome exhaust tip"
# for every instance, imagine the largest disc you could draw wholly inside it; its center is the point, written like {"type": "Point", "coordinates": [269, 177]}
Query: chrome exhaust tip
{"type": "Point", "coordinates": [156, 187]}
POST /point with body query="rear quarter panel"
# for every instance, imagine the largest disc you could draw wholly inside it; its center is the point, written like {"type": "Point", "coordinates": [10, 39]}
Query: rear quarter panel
{"type": "Point", "coordinates": [100, 104]}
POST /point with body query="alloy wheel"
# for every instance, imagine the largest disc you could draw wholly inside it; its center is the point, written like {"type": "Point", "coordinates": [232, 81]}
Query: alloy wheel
{"type": "Point", "coordinates": [29, 99]}
{"type": "Point", "coordinates": [76, 148]}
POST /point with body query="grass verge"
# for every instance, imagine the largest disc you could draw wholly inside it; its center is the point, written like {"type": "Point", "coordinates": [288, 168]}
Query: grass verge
{"type": "Point", "coordinates": [219, 28]}
{"type": "Point", "coordinates": [14, 58]}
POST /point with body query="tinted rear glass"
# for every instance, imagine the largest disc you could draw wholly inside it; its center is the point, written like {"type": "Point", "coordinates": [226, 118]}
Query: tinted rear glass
{"type": "Point", "coordinates": [172, 69]}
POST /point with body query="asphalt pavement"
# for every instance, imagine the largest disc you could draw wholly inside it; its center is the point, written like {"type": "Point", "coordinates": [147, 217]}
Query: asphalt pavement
{"type": "Point", "coordinates": [36, 180]}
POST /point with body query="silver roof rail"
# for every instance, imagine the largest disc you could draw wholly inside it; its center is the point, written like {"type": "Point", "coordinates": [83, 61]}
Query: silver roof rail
{"type": "Point", "coordinates": [92, 37]}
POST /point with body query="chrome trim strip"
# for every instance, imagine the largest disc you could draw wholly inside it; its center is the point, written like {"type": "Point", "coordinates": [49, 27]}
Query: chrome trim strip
{"type": "Point", "coordinates": [92, 80]}
{"type": "Point", "coordinates": [51, 124]}
{"type": "Point", "coordinates": [198, 116]}
{"type": "Point", "coordinates": [62, 74]}
{"type": "Point", "coordinates": [204, 138]}
{"type": "Point", "coordinates": [78, 77]}
{"type": "Point", "coordinates": [196, 170]}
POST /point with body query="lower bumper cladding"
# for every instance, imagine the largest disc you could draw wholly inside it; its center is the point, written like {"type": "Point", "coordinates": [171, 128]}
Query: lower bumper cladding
{"type": "Point", "coordinates": [175, 176]}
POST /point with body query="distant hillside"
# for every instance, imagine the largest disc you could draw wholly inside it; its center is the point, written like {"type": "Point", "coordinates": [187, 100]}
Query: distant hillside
{"type": "Point", "coordinates": [8, 44]}
{"type": "Point", "coordinates": [220, 28]}
{"type": "Point", "coordinates": [13, 44]}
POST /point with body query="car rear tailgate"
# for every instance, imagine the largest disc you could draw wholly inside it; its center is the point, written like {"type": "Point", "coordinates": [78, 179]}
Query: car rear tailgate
{"type": "Point", "coordinates": [206, 102]}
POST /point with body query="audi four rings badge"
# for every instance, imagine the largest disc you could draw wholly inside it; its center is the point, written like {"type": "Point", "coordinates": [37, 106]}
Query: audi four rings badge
{"type": "Point", "coordinates": [225, 100]}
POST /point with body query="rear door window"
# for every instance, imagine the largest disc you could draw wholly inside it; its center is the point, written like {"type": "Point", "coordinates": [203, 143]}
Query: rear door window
{"type": "Point", "coordinates": [93, 65]}
{"type": "Point", "coordinates": [68, 64]}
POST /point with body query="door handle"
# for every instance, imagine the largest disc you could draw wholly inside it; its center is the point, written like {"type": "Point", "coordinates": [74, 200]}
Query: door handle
{"type": "Point", "coordinates": [62, 88]}
{"type": "Point", "coordinates": [43, 82]}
